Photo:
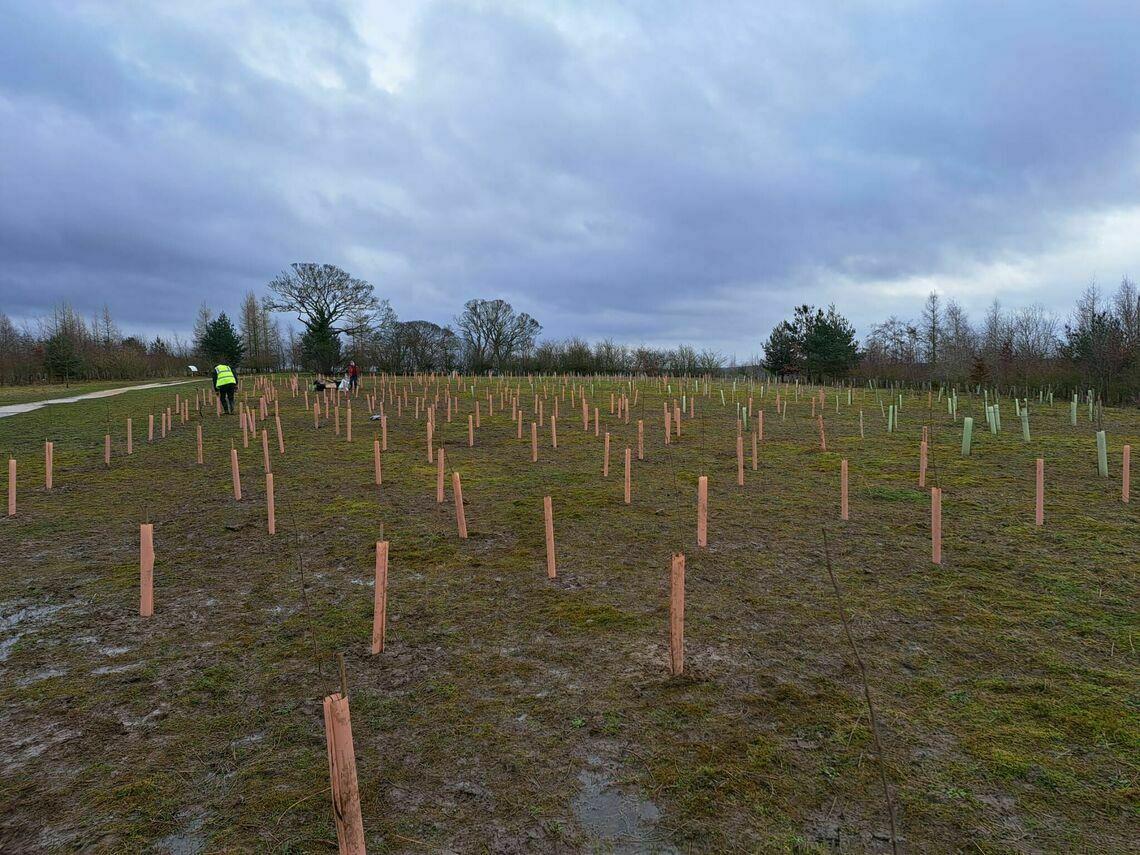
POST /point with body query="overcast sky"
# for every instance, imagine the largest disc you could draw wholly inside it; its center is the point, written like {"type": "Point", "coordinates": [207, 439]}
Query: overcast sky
{"type": "Point", "coordinates": [654, 171]}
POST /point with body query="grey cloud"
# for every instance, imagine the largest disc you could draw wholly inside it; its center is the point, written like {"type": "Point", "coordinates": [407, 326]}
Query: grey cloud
{"type": "Point", "coordinates": [652, 171]}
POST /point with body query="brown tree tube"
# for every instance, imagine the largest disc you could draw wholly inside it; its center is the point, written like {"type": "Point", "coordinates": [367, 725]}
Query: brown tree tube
{"type": "Point", "coordinates": [702, 510]}
{"type": "Point", "coordinates": [380, 611]}
{"type": "Point", "coordinates": [677, 615]}
{"type": "Point", "coordinates": [342, 776]}
{"type": "Point", "coordinates": [548, 511]}
{"type": "Point", "coordinates": [460, 516]}
{"type": "Point", "coordinates": [146, 569]}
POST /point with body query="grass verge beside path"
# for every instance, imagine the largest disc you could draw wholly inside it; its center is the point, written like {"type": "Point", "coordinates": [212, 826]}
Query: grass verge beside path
{"type": "Point", "coordinates": [48, 391]}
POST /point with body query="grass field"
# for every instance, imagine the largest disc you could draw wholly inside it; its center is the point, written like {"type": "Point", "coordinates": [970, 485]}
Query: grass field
{"type": "Point", "coordinates": [514, 713]}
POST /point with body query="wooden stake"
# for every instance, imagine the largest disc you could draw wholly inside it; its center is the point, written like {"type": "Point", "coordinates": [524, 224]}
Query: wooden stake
{"type": "Point", "coordinates": [348, 423]}
{"type": "Point", "coordinates": [235, 473]}
{"type": "Point", "coordinates": [439, 480]}
{"type": "Point", "coordinates": [199, 443]}
{"type": "Point", "coordinates": [677, 615]}
{"type": "Point", "coordinates": [380, 600]}
{"type": "Point", "coordinates": [150, 428]}
{"type": "Point", "coordinates": [49, 463]}
{"type": "Point", "coordinates": [107, 450]}
{"type": "Point", "coordinates": [376, 461]}
{"type": "Point", "coordinates": [554, 428]}
{"type": "Point", "coordinates": [384, 432]}
{"type": "Point", "coordinates": [936, 525]}
{"type": "Point", "coordinates": [265, 450]}
{"type": "Point", "coordinates": [606, 457]}
{"type": "Point", "coordinates": [755, 455]}
{"type": "Point", "coordinates": [280, 434]}
{"type": "Point", "coordinates": [272, 516]}
{"type": "Point", "coordinates": [1040, 515]}
{"type": "Point", "coordinates": [640, 439]}
{"type": "Point", "coordinates": [702, 510]}
{"type": "Point", "coordinates": [739, 460]}
{"type": "Point", "coordinates": [460, 516]}
{"type": "Point", "coordinates": [130, 438]}
{"type": "Point", "coordinates": [548, 512]}
{"type": "Point", "coordinates": [146, 569]}
{"type": "Point", "coordinates": [11, 486]}
{"type": "Point", "coordinates": [922, 447]}
{"type": "Point", "coordinates": [342, 775]}
{"type": "Point", "coordinates": [470, 432]}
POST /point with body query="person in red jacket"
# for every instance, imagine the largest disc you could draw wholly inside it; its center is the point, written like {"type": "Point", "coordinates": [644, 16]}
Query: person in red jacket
{"type": "Point", "coordinates": [353, 375]}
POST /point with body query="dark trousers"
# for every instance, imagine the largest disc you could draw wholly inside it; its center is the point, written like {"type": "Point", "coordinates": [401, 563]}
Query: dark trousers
{"type": "Point", "coordinates": [226, 393]}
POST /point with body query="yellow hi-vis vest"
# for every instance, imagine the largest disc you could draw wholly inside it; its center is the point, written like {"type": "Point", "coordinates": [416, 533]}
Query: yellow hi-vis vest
{"type": "Point", "coordinates": [225, 376]}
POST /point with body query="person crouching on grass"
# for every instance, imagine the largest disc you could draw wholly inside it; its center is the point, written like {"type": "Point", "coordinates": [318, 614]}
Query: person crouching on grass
{"type": "Point", "coordinates": [226, 384]}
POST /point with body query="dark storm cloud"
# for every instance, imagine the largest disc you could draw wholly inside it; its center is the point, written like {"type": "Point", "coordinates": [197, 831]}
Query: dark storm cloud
{"type": "Point", "coordinates": [652, 171]}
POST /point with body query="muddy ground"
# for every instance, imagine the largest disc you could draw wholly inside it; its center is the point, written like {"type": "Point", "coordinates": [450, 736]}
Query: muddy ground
{"type": "Point", "coordinates": [512, 713]}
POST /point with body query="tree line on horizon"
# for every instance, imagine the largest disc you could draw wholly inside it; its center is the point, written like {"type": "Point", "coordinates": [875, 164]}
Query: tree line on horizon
{"type": "Point", "coordinates": [1097, 347]}
{"type": "Point", "coordinates": [342, 319]}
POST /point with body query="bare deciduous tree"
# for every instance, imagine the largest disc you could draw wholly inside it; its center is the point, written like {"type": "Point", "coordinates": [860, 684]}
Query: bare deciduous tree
{"type": "Point", "coordinates": [322, 295]}
{"type": "Point", "coordinates": [495, 334]}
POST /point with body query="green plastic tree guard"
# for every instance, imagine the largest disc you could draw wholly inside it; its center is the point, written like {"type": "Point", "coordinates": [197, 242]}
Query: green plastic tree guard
{"type": "Point", "coordinates": [967, 435]}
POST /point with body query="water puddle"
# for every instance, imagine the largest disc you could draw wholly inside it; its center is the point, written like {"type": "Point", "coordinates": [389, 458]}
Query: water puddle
{"type": "Point", "coordinates": [620, 820]}
{"type": "Point", "coordinates": [39, 675]}
{"type": "Point", "coordinates": [20, 622]}
{"type": "Point", "coordinates": [187, 841]}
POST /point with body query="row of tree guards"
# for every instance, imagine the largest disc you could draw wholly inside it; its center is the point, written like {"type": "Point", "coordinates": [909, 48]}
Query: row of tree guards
{"type": "Point", "coordinates": [342, 769]}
